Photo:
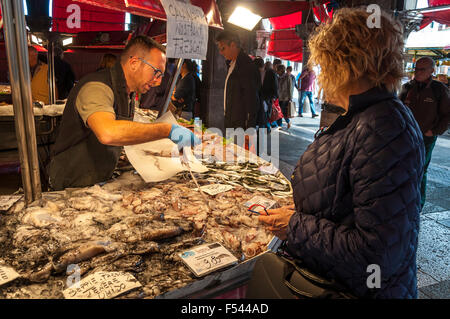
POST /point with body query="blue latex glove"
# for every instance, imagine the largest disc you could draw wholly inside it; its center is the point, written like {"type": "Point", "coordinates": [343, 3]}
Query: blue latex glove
{"type": "Point", "coordinates": [183, 137]}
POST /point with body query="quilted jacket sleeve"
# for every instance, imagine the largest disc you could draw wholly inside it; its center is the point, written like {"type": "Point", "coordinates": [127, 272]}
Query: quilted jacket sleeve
{"type": "Point", "coordinates": [386, 164]}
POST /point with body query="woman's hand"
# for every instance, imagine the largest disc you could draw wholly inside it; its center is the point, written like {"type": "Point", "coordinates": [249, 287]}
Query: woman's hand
{"type": "Point", "coordinates": [278, 220]}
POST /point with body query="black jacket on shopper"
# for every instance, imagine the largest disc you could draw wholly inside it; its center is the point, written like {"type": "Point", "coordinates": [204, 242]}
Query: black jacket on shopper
{"type": "Point", "coordinates": [357, 198]}
{"type": "Point", "coordinates": [243, 94]}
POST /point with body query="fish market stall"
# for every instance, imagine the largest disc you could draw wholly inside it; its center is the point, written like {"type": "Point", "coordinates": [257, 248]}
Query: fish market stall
{"type": "Point", "coordinates": [127, 227]}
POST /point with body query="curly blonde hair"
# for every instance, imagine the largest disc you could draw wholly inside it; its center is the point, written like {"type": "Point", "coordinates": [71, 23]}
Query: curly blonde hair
{"type": "Point", "coordinates": [347, 51]}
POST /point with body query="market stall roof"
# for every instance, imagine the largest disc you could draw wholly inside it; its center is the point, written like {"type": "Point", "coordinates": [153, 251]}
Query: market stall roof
{"type": "Point", "coordinates": [154, 9]}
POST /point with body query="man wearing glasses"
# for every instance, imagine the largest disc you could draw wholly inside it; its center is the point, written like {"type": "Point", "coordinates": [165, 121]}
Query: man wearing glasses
{"type": "Point", "coordinates": [98, 118]}
{"type": "Point", "coordinates": [430, 104]}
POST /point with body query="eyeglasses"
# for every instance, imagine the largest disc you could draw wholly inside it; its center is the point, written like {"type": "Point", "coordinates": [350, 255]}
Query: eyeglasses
{"type": "Point", "coordinates": [158, 72]}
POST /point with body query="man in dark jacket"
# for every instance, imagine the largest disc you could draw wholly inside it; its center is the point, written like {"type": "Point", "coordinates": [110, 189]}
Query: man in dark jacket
{"type": "Point", "coordinates": [241, 96]}
{"type": "Point", "coordinates": [429, 101]}
{"type": "Point", "coordinates": [183, 98]}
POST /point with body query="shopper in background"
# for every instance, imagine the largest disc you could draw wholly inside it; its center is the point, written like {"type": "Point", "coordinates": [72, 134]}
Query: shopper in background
{"type": "Point", "coordinates": [39, 77]}
{"type": "Point", "coordinates": [107, 61]}
{"type": "Point", "coordinates": [285, 91]}
{"type": "Point", "coordinates": [64, 76]}
{"type": "Point", "coordinates": [429, 101]}
{"type": "Point", "coordinates": [307, 86]}
{"type": "Point", "coordinates": [241, 96]}
{"type": "Point", "coordinates": [183, 97]}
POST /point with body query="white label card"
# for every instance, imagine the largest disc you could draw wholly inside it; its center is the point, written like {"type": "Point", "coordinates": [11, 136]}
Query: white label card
{"type": "Point", "coordinates": [207, 258]}
{"type": "Point", "coordinates": [102, 285]}
{"type": "Point", "coordinates": [268, 169]}
{"type": "Point", "coordinates": [259, 200]}
{"type": "Point", "coordinates": [187, 30]}
{"type": "Point", "coordinates": [7, 274]}
{"type": "Point", "coordinates": [215, 189]}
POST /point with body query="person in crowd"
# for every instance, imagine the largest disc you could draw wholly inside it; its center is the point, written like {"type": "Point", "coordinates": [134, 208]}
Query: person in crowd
{"type": "Point", "coordinates": [241, 96]}
{"type": "Point", "coordinates": [356, 188]}
{"type": "Point", "coordinates": [294, 82]}
{"type": "Point", "coordinates": [198, 109]}
{"type": "Point", "coordinates": [154, 99]}
{"type": "Point", "coordinates": [285, 91]}
{"type": "Point", "coordinates": [98, 118]}
{"type": "Point", "coordinates": [64, 76]}
{"type": "Point", "coordinates": [262, 113]}
{"type": "Point", "coordinates": [107, 61]}
{"type": "Point", "coordinates": [429, 101]}
{"type": "Point", "coordinates": [39, 77]}
{"type": "Point", "coordinates": [183, 97]}
{"type": "Point", "coordinates": [275, 64]}
{"type": "Point", "coordinates": [306, 85]}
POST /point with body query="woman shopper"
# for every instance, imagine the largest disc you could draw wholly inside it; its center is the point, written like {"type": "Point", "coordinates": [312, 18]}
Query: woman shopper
{"type": "Point", "coordinates": [357, 186]}
{"type": "Point", "coordinates": [285, 92]}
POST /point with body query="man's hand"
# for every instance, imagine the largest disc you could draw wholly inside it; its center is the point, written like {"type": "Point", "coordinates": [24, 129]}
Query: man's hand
{"type": "Point", "coordinates": [428, 133]}
{"type": "Point", "coordinates": [278, 220]}
{"type": "Point", "coordinates": [183, 137]}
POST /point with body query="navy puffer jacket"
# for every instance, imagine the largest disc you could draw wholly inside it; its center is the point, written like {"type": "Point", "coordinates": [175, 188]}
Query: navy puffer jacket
{"type": "Point", "coordinates": [357, 198]}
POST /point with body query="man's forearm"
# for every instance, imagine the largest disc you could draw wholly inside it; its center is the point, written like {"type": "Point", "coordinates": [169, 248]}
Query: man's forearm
{"type": "Point", "coordinates": [121, 132]}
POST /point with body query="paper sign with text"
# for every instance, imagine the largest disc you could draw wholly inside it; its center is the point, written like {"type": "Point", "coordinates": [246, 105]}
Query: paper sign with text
{"type": "Point", "coordinates": [215, 189]}
{"type": "Point", "coordinates": [259, 200]}
{"type": "Point", "coordinates": [7, 274]}
{"type": "Point", "coordinates": [207, 258]}
{"type": "Point", "coordinates": [102, 285]}
{"type": "Point", "coordinates": [187, 30]}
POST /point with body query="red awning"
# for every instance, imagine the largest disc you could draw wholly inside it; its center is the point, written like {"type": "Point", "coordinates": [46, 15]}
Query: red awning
{"type": "Point", "coordinates": [442, 16]}
{"type": "Point", "coordinates": [284, 43]}
{"type": "Point", "coordinates": [92, 18]}
{"type": "Point", "coordinates": [154, 8]}
{"type": "Point", "coordinates": [270, 9]}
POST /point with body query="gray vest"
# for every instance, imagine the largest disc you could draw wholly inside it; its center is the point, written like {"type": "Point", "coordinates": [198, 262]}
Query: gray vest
{"type": "Point", "coordinates": [79, 159]}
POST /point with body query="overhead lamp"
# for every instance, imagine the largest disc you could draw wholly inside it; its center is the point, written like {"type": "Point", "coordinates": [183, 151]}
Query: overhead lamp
{"type": "Point", "coordinates": [67, 41]}
{"type": "Point", "coordinates": [244, 18]}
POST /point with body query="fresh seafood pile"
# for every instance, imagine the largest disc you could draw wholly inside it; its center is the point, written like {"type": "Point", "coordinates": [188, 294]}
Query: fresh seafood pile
{"type": "Point", "coordinates": [131, 226]}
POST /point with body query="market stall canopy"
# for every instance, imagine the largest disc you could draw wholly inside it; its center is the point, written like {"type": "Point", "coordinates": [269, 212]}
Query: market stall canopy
{"type": "Point", "coordinates": [442, 16]}
{"type": "Point", "coordinates": [154, 9]}
{"type": "Point", "coordinates": [270, 9]}
{"type": "Point", "coordinates": [284, 43]}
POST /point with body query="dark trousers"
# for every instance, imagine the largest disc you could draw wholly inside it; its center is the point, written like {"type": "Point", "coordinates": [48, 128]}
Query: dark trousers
{"type": "Point", "coordinates": [284, 108]}
{"type": "Point", "coordinates": [429, 142]}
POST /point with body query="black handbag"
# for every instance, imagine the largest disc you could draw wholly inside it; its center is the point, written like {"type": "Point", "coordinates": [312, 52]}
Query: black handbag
{"type": "Point", "coordinates": [278, 277]}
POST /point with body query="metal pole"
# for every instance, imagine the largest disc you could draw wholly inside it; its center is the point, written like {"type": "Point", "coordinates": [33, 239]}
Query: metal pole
{"type": "Point", "coordinates": [172, 86]}
{"type": "Point", "coordinates": [27, 101]}
{"type": "Point", "coordinates": [11, 51]}
{"type": "Point", "coordinates": [51, 70]}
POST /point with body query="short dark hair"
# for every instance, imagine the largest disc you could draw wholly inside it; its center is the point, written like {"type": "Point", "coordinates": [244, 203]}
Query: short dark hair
{"type": "Point", "coordinates": [140, 42]}
{"type": "Point", "coordinates": [276, 62]}
{"type": "Point", "coordinates": [189, 65]}
{"type": "Point", "coordinates": [259, 62]}
{"type": "Point", "coordinates": [228, 37]}
{"type": "Point", "coordinates": [289, 68]}
{"type": "Point", "coordinates": [281, 68]}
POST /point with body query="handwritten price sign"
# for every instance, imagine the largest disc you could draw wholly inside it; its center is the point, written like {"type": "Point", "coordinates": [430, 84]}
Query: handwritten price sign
{"type": "Point", "coordinates": [102, 285]}
{"type": "Point", "coordinates": [187, 30]}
